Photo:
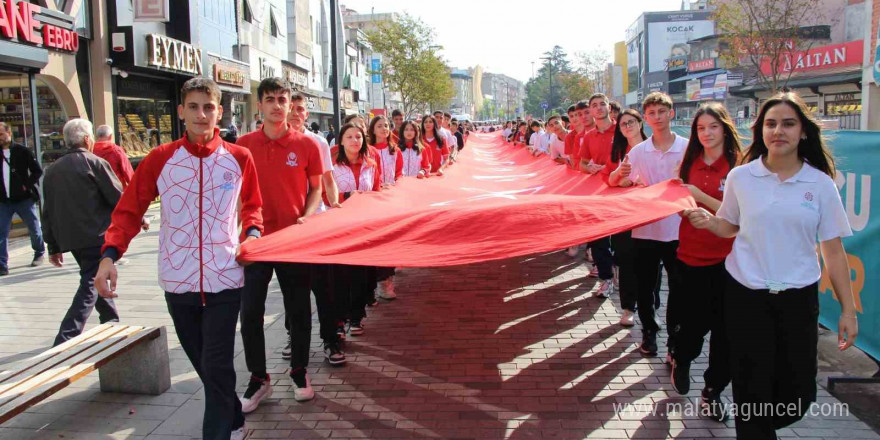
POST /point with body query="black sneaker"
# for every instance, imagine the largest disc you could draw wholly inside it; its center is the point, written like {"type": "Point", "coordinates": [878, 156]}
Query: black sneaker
{"type": "Point", "coordinates": [286, 351]}
{"type": "Point", "coordinates": [356, 328]}
{"type": "Point", "coordinates": [712, 407]}
{"type": "Point", "coordinates": [681, 376]}
{"type": "Point", "coordinates": [38, 260]}
{"type": "Point", "coordinates": [334, 354]}
{"type": "Point", "coordinates": [340, 331]}
{"type": "Point", "coordinates": [4, 271]}
{"type": "Point", "coordinates": [649, 343]}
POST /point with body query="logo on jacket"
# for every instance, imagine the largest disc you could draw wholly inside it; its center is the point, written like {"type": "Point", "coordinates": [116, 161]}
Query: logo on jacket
{"type": "Point", "coordinates": [228, 179]}
{"type": "Point", "coordinates": [291, 160]}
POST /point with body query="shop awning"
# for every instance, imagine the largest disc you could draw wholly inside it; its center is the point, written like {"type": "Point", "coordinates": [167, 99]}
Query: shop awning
{"type": "Point", "coordinates": [804, 82]}
{"type": "Point", "coordinates": [698, 75]}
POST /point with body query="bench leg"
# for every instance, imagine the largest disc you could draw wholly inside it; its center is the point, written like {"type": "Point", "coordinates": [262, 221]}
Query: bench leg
{"type": "Point", "coordinates": [143, 370]}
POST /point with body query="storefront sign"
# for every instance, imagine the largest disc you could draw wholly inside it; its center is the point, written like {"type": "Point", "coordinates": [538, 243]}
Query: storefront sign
{"type": "Point", "coordinates": [168, 53]}
{"type": "Point", "coordinates": [267, 69]}
{"type": "Point", "coordinates": [297, 78]}
{"type": "Point", "coordinates": [677, 63]}
{"type": "Point", "coordinates": [151, 10]}
{"type": "Point", "coordinates": [229, 76]}
{"type": "Point", "coordinates": [693, 90]}
{"type": "Point", "coordinates": [346, 96]}
{"type": "Point", "coordinates": [23, 22]}
{"type": "Point", "coordinates": [818, 58]}
{"type": "Point", "coordinates": [696, 66]}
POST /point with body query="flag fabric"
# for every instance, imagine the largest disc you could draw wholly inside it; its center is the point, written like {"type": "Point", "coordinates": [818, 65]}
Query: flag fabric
{"type": "Point", "coordinates": [495, 202]}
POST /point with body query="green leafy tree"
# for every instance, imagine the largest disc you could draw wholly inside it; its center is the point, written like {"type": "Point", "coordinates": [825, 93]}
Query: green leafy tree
{"type": "Point", "coordinates": [410, 63]}
{"type": "Point", "coordinates": [768, 32]}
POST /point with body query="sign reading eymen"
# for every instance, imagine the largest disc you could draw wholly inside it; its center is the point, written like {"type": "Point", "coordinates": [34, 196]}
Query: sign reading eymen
{"type": "Point", "coordinates": [22, 21]}
{"type": "Point", "coordinates": [168, 53]}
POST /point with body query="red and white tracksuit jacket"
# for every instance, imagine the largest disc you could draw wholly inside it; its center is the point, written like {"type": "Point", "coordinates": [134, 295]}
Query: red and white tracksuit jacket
{"type": "Point", "coordinates": [413, 161]}
{"type": "Point", "coordinates": [365, 176]}
{"type": "Point", "coordinates": [392, 164]}
{"type": "Point", "coordinates": [200, 186]}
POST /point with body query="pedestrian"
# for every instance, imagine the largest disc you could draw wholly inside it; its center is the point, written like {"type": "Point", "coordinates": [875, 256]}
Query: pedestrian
{"type": "Point", "coordinates": [595, 155]}
{"type": "Point", "coordinates": [316, 129]}
{"type": "Point", "coordinates": [397, 120]}
{"type": "Point", "coordinates": [586, 122]}
{"type": "Point", "coordinates": [435, 142]}
{"type": "Point", "coordinates": [457, 132]}
{"type": "Point", "coordinates": [628, 133]}
{"type": "Point", "coordinates": [776, 205]}
{"type": "Point", "coordinates": [320, 274]}
{"type": "Point", "coordinates": [21, 176]}
{"type": "Point", "coordinates": [198, 244]}
{"type": "Point", "coordinates": [416, 158]}
{"type": "Point", "coordinates": [713, 150]}
{"type": "Point", "coordinates": [356, 170]}
{"type": "Point", "coordinates": [391, 161]}
{"type": "Point", "coordinates": [80, 192]}
{"type": "Point", "coordinates": [556, 144]}
{"type": "Point", "coordinates": [289, 170]}
{"type": "Point", "coordinates": [106, 149]}
{"type": "Point", "coordinates": [653, 161]}
{"type": "Point", "coordinates": [257, 122]}
{"type": "Point", "coordinates": [614, 109]}
{"type": "Point", "coordinates": [331, 135]}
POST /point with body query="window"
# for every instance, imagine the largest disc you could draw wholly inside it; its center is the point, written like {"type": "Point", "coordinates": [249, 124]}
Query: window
{"type": "Point", "coordinates": [273, 25]}
{"type": "Point", "coordinates": [246, 13]}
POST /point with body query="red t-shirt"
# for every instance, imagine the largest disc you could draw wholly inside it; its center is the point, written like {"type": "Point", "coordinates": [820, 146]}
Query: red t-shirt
{"type": "Point", "coordinates": [118, 160]}
{"type": "Point", "coordinates": [596, 146]}
{"type": "Point", "coordinates": [437, 154]}
{"type": "Point", "coordinates": [284, 166]}
{"type": "Point", "coordinates": [576, 149]}
{"type": "Point", "coordinates": [699, 247]}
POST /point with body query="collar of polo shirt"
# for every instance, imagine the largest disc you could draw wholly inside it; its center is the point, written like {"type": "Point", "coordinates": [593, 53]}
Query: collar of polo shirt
{"type": "Point", "coordinates": [807, 172]}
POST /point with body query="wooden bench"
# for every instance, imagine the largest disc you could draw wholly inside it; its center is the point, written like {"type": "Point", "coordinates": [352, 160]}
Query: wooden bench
{"type": "Point", "coordinates": [130, 359]}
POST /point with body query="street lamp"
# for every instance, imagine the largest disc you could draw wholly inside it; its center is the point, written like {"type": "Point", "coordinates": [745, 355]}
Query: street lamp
{"type": "Point", "coordinates": [550, 65]}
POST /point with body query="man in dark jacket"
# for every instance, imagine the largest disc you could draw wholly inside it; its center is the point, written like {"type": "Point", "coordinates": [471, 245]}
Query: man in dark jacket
{"type": "Point", "coordinates": [80, 191]}
{"type": "Point", "coordinates": [18, 195]}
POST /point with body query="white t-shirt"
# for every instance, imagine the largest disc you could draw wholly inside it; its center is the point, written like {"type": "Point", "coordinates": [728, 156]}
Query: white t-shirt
{"type": "Point", "coordinates": [652, 166]}
{"type": "Point", "coordinates": [538, 141]}
{"type": "Point", "coordinates": [448, 138]}
{"type": "Point", "coordinates": [557, 147]}
{"type": "Point", "coordinates": [506, 133]}
{"type": "Point", "coordinates": [6, 171]}
{"type": "Point", "coordinates": [778, 223]}
{"type": "Point", "coordinates": [326, 160]}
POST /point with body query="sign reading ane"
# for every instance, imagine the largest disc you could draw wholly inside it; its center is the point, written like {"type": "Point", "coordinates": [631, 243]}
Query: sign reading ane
{"type": "Point", "coordinates": [20, 21]}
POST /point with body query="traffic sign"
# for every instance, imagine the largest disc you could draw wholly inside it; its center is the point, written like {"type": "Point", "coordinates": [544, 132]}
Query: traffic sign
{"type": "Point", "coordinates": [544, 105]}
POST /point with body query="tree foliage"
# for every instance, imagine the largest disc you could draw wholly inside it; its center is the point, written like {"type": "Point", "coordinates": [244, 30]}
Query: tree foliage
{"type": "Point", "coordinates": [410, 64]}
{"type": "Point", "coordinates": [571, 83]}
{"type": "Point", "coordinates": [756, 32]}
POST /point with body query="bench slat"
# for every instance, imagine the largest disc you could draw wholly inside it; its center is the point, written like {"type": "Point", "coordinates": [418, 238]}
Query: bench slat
{"type": "Point", "coordinates": [23, 366]}
{"type": "Point", "coordinates": [24, 394]}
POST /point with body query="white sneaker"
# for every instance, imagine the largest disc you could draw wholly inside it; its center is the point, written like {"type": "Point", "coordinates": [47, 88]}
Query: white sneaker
{"type": "Point", "coordinates": [606, 288]}
{"type": "Point", "coordinates": [239, 434]}
{"type": "Point", "coordinates": [628, 319]}
{"type": "Point", "coordinates": [257, 391]}
{"type": "Point", "coordinates": [386, 289]}
{"type": "Point", "coordinates": [572, 251]}
{"type": "Point", "coordinates": [305, 393]}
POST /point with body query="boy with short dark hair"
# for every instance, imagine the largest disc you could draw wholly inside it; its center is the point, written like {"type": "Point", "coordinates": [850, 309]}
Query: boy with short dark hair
{"type": "Point", "coordinates": [198, 244]}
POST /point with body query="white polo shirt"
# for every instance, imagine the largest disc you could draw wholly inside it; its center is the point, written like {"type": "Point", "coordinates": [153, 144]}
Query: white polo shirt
{"type": "Point", "coordinates": [557, 147]}
{"type": "Point", "coordinates": [326, 159]}
{"type": "Point", "coordinates": [448, 138]}
{"type": "Point", "coordinates": [778, 225]}
{"type": "Point", "coordinates": [654, 166]}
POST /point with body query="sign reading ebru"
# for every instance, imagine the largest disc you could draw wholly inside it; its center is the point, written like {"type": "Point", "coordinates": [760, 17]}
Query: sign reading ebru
{"type": "Point", "coordinates": [171, 54]}
{"type": "Point", "coordinates": [27, 23]}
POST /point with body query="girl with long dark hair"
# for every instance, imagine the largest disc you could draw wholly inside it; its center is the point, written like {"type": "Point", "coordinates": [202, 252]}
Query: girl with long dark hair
{"type": "Point", "coordinates": [379, 136]}
{"type": "Point", "coordinates": [713, 150]}
{"type": "Point", "coordinates": [433, 141]}
{"type": "Point", "coordinates": [776, 205]}
{"type": "Point", "coordinates": [416, 158]}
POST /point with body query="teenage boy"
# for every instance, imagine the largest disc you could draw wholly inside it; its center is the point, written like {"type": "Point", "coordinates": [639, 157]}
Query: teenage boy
{"type": "Point", "coordinates": [442, 120]}
{"type": "Point", "coordinates": [321, 280]}
{"type": "Point", "coordinates": [650, 162]}
{"type": "Point", "coordinates": [595, 153]}
{"type": "Point", "coordinates": [397, 119]}
{"type": "Point", "coordinates": [198, 244]}
{"type": "Point", "coordinates": [289, 170]}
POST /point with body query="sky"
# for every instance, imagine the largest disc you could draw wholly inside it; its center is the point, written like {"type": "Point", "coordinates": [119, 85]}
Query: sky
{"type": "Point", "coordinates": [506, 36]}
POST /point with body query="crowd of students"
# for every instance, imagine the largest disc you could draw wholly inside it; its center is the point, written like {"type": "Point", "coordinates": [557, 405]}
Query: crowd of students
{"type": "Point", "coordinates": [272, 178]}
{"type": "Point", "coordinates": [742, 265]}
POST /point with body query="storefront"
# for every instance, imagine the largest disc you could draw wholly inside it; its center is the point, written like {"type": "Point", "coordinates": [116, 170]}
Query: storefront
{"type": "Point", "coordinates": [233, 78]}
{"type": "Point", "coordinates": [320, 105]}
{"type": "Point", "coordinates": [30, 75]}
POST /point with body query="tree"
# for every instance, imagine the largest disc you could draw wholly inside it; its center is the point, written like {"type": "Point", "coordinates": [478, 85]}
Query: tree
{"type": "Point", "coordinates": [410, 65]}
{"type": "Point", "coordinates": [765, 35]}
{"type": "Point", "coordinates": [570, 84]}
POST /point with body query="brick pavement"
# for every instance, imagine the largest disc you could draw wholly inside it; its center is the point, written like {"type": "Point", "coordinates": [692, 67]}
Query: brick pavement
{"type": "Point", "coordinates": [514, 349]}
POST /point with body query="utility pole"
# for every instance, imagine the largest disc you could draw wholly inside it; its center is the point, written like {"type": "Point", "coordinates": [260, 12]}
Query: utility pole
{"type": "Point", "coordinates": [334, 71]}
{"type": "Point", "coordinates": [550, 66]}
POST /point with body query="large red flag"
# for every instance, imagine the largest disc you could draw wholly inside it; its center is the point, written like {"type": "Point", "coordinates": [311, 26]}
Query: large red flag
{"type": "Point", "coordinates": [496, 202]}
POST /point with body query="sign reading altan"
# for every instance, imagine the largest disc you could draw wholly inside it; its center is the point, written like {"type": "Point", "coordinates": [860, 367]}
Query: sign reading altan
{"type": "Point", "coordinates": [168, 53]}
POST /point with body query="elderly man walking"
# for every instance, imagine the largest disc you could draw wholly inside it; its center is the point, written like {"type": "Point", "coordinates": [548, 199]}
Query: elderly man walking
{"type": "Point", "coordinates": [18, 195]}
{"type": "Point", "coordinates": [80, 192]}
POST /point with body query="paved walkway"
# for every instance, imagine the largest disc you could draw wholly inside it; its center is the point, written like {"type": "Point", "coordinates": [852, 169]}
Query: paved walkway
{"type": "Point", "coordinates": [515, 349]}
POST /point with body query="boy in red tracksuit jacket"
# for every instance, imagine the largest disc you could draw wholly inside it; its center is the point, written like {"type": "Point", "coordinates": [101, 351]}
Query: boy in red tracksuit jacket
{"type": "Point", "coordinates": [201, 180]}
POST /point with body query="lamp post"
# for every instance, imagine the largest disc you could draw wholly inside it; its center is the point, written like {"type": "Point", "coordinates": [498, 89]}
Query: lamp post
{"type": "Point", "coordinates": [550, 65]}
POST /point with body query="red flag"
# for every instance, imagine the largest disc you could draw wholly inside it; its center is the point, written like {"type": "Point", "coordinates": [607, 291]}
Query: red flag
{"type": "Point", "coordinates": [496, 202]}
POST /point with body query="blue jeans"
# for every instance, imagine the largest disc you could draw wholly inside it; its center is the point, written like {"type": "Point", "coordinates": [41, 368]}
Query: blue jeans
{"type": "Point", "coordinates": [27, 210]}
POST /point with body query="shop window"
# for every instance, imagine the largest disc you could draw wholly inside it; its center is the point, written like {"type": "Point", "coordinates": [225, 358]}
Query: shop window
{"type": "Point", "coordinates": [246, 13]}
{"type": "Point", "coordinates": [143, 124]}
{"type": "Point", "coordinates": [15, 110]}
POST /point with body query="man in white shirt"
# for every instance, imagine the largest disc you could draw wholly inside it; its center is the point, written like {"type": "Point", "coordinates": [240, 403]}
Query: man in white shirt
{"type": "Point", "coordinates": [557, 134]}
{"type": "Point", "coordinates": [448, 138]}
{"type": "Point", "coordinates": [650, 162]}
